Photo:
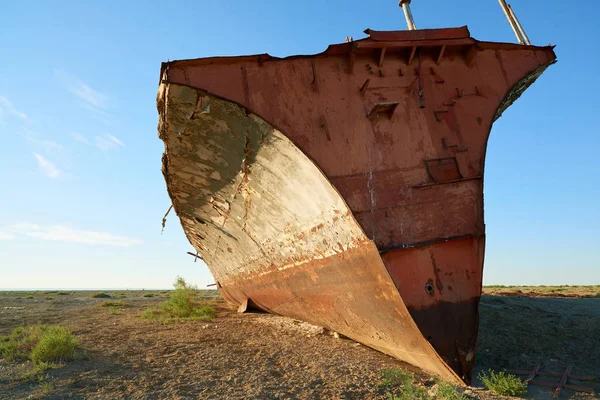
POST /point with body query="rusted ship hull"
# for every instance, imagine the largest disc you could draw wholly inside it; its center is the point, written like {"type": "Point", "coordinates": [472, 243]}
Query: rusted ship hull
{"type": "Point", "coordinates": [346, 188]}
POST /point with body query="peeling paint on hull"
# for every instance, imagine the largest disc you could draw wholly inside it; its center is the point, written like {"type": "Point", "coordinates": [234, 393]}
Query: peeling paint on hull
{"type": "Point", "coordinates": [346, 188]}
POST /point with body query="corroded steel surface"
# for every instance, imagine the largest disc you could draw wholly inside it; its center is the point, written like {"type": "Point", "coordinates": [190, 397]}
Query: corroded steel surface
{"type": "Point", "coordinates": [273, 230]}
{"type": "Point", "coordinates": [368, 154]}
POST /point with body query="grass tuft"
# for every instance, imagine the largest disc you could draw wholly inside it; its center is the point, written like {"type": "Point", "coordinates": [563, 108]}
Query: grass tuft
{"type": "Point", "coordinates": [115, 307]}
{"type": "Point", "coordinates": [37, 369]}
{"type": "Point", "coordinates": [64, 293]}
{"type": "Point", "coordinates": [101, 295]}
{"type": "Point", "coordinates": [503, 383]}
{"type": "Point", "coordinates": [148, 295]}
{"type": "Point", "coordinates": [446, 391]}
{"type": "Point", "coordinates": [400, 385]}
{"type": "Point", "coordinates": [395, 377]}
{"type": "Point", "coordinates": [45, 385]}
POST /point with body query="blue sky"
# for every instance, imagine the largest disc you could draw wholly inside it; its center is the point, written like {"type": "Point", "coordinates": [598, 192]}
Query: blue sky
{"type": "Point", "coordinates": [82, 193]}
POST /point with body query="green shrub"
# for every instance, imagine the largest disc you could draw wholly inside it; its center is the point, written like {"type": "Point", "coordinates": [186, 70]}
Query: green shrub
{"type": "Point", "coordinates": [446, 391]}
{"type": "Point", "coordinates": [55, 344]}
{"type": "Point", "coordinates": [30, 297]}
{"type": "Point", "coordinates": [503, 383]}
{"type": "Point", "coordinates": [49, 298]}
{"type": "Point", "coordinates": [8, 349]}
{"type": "Point", "coordinates": [101, 295]}
{"type": "Point", "coordinates": [64, 293]}
{"type": "Point", "coordinates": [400, 385]}
{"type": "Point", "coordinates": [395, 377]}
{"type": "Point", "coordinates": [117, 303]}
{"type": "Point", "coordinates": [182, 305]}
{"type": "Point", "coordinates": [149, 295]}
{"type": "Point", "coordinates": [40, 343]}
{"type": "Point", "coordinates": [205, 313]}
{"type": "Point", "coordinates": [152, 314]}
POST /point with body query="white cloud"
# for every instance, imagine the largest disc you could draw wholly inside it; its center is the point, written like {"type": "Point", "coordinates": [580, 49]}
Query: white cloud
{"type": "Point", "coordinates": [6, 235]}
{"type": "Point", "coordinates": [47, 167]}
{"type": "Point", "coordinates": [91, 99]}
{"type": "Point", "coordinates": [79, 138]}
{"type": "Point", "coordinates": [48, 145]}
{"type": "Point", "coordinates": [7, 107]}
{"type": "Point", "coordinates": [66, 234]}
{"type": "Point", "coordinates": [108, 142]}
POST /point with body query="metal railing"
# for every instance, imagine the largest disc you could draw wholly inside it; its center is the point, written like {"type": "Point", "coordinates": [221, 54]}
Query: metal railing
{"type": "Point", "coordinates": [508, 11]}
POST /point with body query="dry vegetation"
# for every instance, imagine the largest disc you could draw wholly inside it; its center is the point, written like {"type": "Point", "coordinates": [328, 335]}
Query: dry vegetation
{"type": "Point", "coordinates": [186, 343]}
{"type": "Point", "coordinates": [590, 291]}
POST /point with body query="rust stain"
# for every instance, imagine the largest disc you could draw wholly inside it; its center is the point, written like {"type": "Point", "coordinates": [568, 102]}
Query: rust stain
{"type": "Point", "coordinates": [266, 160]}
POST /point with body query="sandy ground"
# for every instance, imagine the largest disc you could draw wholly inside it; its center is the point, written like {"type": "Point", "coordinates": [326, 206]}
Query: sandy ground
{"type": "Point", "coordinates": [261, 356]}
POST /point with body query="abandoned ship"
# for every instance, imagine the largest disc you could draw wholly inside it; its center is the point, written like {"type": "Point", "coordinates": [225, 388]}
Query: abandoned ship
{"type": "Point", "coordinates": [345, 188]}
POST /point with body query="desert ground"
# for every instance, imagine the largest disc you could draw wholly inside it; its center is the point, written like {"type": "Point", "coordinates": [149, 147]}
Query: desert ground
{"type": "Point", "coordinates": [262, 356]}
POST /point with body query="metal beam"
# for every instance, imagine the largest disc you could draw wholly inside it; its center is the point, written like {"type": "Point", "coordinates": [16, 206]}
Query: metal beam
{"type": "Point", "coordinates": [512, 22]}
{"type": "Point", "coordinates": [410, 23]}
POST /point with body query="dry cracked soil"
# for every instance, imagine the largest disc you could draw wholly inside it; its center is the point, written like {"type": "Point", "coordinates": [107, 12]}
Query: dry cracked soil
{"type": "Point", "coordinates": [262, 356]}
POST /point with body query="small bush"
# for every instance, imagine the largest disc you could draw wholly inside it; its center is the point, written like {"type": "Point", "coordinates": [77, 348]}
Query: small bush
{"type": "Point", "coordinates": [40, 343]}
{"type": "Point", "coordinates": [101, 295]}
{"type": "Point", "coordinates": [205, 313]}
{"type": "Point", "coordinates": [49, 298]}
{"type": "Point", "coordinates": [446, 391]}
{"type": "Point", "coordinates": [401, 386]}
{"type": "Point", "coordinates": [55, 344]}
{"type": "Point", "coordinates": [151, 314]}
{"type": "Point", "coordinates": [64, 293]}
{"type": "Point", "coordinates": [8, 349]}
{"type": "Point", "coordinates": [148, 295]}
{"type": "Point", "coordinates": [115, 307]}
{"type": "Point", "coordinates": [182, 305]}
{"type": "Point", "coordinates": [503, 383]}
{"type": "Point", "coordinates": [395, 377]}
{"type": "Point", "coordinates": [30, 297]}
{"type": "Point", "coordinates": [410, 392]}
{"type": "Point", "coordinates": [117, 303]}
{"type": "Point", "coordinates": [597, 295]}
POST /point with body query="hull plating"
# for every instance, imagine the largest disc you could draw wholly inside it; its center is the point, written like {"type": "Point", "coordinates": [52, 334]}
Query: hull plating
{"type": "Point", "coordinates": [346, 188]}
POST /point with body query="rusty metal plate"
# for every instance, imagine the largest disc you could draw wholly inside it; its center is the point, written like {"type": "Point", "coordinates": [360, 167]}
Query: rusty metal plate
{"type": "Point", "coordinates": [289, 191]}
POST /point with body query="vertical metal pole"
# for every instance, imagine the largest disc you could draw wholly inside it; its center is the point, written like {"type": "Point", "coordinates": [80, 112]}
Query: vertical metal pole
{"type": "Point", "coordinates": [514, 17]}
{"type": "Point", "coordinates": [511, 21]}
{"type": "Point", "coordinates": [405, 4]}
